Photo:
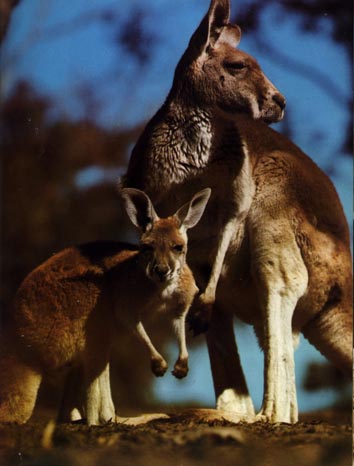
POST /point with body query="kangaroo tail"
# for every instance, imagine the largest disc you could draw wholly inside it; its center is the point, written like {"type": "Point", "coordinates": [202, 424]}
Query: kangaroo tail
{"type": "Point", "coordinates": [331, 332]}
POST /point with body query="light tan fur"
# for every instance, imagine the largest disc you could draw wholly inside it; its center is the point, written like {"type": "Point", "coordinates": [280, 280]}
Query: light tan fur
{"type": "Point", "coordinates": [64, 313]}
{"type": "Point", "coordinates": [273, 246]}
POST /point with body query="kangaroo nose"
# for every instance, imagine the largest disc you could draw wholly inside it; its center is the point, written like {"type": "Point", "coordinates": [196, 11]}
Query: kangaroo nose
{"type": "Point", "coordinates": [161, 271]}
{"type": "Point", "coordinates": [280, 100]}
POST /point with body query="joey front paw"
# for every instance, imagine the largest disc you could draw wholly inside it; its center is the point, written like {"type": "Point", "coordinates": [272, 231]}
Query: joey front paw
{"type": "Point", "coordinates": [158, 367]}
{"type": "Point", "coordinates": [181, 368]}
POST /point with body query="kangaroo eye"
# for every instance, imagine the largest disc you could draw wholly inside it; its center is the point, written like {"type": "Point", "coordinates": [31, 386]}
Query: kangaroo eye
{"type": "Point", "coordinates": [178, 247]}
{"type": "Point", "coordinates": [235, 65]}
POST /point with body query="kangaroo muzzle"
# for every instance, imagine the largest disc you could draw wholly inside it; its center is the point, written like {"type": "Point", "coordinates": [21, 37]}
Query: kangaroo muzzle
{"type": "Point", "coordinates": [161, 272]}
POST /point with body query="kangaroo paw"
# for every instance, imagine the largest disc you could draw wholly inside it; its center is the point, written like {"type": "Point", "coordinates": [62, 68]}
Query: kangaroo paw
{"type": "Point", "coordinates": [199, 316]}
{"type": "Point", "coordinates": [158, 367]}
{"type": "Point", "coordinates": [181, 369]}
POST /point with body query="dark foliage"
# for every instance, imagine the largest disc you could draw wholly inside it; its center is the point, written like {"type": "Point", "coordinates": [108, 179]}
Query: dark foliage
{"type": "Point", "coordinates": [43, 207]}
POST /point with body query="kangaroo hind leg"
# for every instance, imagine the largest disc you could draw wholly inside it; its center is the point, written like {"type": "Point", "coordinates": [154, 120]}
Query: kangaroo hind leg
{"type": "Point", "coordinates": [230, 385]}
{"type": "Point", "coordinates": [19, 384]}
{"type": "Point", "coordinates": [72, 407]}
{"type": "Point", "coordinates": [282, 278]}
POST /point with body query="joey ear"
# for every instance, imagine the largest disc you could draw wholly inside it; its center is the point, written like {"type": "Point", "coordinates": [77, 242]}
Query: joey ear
{"type": "Point", "coordinates": [190, 213]}
{"type": "Point", "coordinates": [139, 208]}
{"type": "Point", "coordinates": [210, 27]}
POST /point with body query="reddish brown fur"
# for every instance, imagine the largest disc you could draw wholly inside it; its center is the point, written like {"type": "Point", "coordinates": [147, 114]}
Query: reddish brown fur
{"type": "Point", "coordinates": [274, 235]}
{"type": "Point", "coordinates": [65, 310]}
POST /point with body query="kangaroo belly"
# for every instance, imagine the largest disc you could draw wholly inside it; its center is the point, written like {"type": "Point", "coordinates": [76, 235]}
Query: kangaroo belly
{"type": "Point", "coordinates": [328, 265]}
{"type": "Point", "coordinates": [239, 298]}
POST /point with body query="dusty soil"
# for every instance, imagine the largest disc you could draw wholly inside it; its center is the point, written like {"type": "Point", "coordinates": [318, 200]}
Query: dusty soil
{"type": "Point", "coordinates": [186, 438]}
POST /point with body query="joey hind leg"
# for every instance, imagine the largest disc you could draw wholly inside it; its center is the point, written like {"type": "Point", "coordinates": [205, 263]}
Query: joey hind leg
{"type": "Point", "coordinates": [230, 385]}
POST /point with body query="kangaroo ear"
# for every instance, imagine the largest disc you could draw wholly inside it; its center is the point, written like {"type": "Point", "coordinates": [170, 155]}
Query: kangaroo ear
{"type": "Point", "coordinates": [139, 208]}
{"type": "Point", "coordinates": [230, 34]}
{"type": "Point", "coordinates": [211, 26]}
{"type": "Point", "coordinates": [190, 213]}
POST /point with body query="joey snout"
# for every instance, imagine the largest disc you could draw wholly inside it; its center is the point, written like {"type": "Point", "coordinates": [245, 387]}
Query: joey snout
{"type": "Point", "coordinates": [161, 272]}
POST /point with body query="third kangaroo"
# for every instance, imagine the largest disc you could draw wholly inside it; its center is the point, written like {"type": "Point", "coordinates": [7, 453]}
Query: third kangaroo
{"type": "Point", "coordinates": [273, 246]}
{"type": "Point", "coordinates": [64, 313]}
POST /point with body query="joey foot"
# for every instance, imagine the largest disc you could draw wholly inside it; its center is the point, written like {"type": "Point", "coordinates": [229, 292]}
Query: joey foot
{"type": "Point", "coordinates": [158, 367]}
{"type": "Point", "coordinates": [181, 368]}
{"type": "Point", "coordinates": [199, 316]}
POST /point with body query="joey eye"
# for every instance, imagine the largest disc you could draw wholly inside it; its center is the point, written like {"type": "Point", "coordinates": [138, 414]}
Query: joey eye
{"type": "Point", "coordinates": [178, 247]}
{"type": "Point", "coordinates": [235, 65]}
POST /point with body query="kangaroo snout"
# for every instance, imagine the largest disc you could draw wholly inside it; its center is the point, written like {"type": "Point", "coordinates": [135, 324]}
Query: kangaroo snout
{"type": "Point", "coordinates": [161, 271]}
{"type": "Point", "coordinates": [279, 99]}
{"type": "Point", "coordinates": [272, 108]}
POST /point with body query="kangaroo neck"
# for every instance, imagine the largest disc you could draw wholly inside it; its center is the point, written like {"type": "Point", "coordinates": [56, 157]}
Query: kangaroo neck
{"type": "Point", "coordinates": [189, 135]}
{"type": "Point", "coordinates": [178, 140]}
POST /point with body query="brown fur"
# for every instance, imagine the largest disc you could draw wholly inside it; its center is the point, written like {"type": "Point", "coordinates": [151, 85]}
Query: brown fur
{"type": "Point", "coordinates": [273, 246]}
{"type": "Point", "coordinates": [64, 313]}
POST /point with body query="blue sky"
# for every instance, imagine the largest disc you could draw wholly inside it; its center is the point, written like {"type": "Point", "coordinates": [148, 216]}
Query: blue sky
{"type": "Point", "coordinates": [199, 385]}
{"type": "Point", "coordinates": [57, 65]}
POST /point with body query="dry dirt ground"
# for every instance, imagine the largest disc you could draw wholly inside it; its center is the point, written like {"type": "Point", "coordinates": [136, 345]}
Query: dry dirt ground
{"type": "Point", "coordinates": [186, 438]}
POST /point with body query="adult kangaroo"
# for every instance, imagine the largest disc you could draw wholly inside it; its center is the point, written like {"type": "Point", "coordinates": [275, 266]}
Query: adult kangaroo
{"type": "Point", "coordinates": [273, 246]}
